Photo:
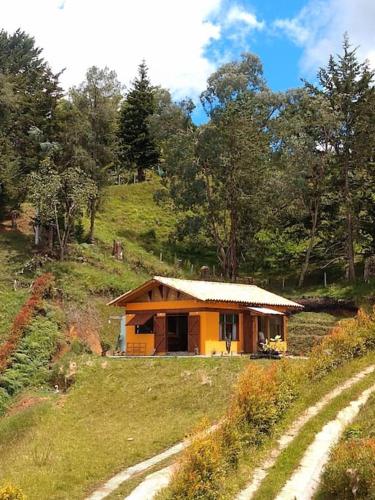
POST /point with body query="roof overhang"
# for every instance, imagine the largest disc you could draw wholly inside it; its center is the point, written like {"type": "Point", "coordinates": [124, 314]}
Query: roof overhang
{"type": "Point", "coordinates": [127, 297]}
{"type": "Point", "coordinates": [139, 319]}
{"type": "Point", "coordinates": [265, 311]}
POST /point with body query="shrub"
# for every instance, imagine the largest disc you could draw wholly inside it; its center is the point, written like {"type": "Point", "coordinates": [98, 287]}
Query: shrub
{"type": "Point", "coordinates": [201, 470]}
{"type": "Point", "coordinates": [29, 363]}
{"type": "Point", "coordinates": [351, 470]}
{"type": "Point", "coordinates": [78, 346]}
{"type": "Point", "coordinates": [261, 397]}
{"type": "Point", "coordinates": [4, 400]}
{"type": "Point", "coordinates": [41, 289]}
{"type": "Point", "coordinates": [10, 492]}
{"type": "Point", "coordinates": [349, 339]}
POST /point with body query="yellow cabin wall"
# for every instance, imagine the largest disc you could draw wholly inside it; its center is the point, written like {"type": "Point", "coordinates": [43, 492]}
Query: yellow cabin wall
{"type": "Point", "coordinates": [210, 342]}
{"type": "Point", "coordinates": [140, 338]}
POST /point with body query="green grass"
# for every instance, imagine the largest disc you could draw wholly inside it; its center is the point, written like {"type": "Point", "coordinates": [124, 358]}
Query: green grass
{"type": "Point", "coordinates": [14, 251]}
{"type": "Point", "coordinates": [305, 329]}
{"type": "Point", "coordinates": [129, 214]}
{"type": "Point", "coordinates": [312, 394]}
{"type": "Point", "coordinates": [293, 454]}
{"type": "Point", "coordinates": [363, 425]}
{"type": "Point", "coordinates": [359, 291]}
{"type": "Point", "coordinates": [10, 303]}
{"type": "Point", "coordinates": [119, 412]}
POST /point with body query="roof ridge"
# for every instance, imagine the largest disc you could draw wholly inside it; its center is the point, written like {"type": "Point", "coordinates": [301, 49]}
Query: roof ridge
{"type": "Point", "coordinates": [205, 281]}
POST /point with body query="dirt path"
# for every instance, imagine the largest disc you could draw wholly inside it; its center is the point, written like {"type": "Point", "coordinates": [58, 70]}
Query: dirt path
{"type": "Point", "coordinates": [116, 481]}
{"type": "Point", "coordinates": [153, 483]}
{"type": "Point", "coordinates": [305, 480]}
{"type": "Point", "coordinates": [261, 472]}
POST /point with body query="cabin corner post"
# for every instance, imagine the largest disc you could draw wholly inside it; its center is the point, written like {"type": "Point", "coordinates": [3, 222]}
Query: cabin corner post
{"type": "Point", "coordinates": [123, 332]}
{"type": "Point", "coordinates": [285, 328]}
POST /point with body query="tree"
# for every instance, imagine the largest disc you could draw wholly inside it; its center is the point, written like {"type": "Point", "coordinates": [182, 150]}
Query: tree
{"type": "Point", "coordinates": [30, 92]}
{"type": "Point", "coordinates": [137, 149]}
{"type": "Point", "coordinates": [231, 81]}
{"type": "Point", "coordinates": [60, 198]}
{"type": "Point", "coordinates": [216, 174]}
{"type": "Point", "coordinates": [97, 100]}
{"type": "Point", "coordinates": [347, 85]}
{"type": "Point", "coordinates": [305, 126]}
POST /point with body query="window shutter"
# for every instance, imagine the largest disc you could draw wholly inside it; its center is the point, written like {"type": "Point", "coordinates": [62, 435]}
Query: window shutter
{"type": "Point", "coordinates": [160, 328]}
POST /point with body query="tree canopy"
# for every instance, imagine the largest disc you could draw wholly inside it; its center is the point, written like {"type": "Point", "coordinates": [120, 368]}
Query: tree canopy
{"type": "Point", "coordinates": [271, 182]}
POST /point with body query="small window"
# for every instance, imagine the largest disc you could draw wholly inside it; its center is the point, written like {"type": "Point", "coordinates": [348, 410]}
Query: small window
{"type": "Point", "coordinates": [147, 327]}
{"type": "Point", "coordinates": [228, 327]}
{"type": "Point", "coordinates": [276, 327]}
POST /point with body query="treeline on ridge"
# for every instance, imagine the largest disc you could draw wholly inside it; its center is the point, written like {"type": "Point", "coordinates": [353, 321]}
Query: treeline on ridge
{"type": "Point", "coordinates": [271, 181]}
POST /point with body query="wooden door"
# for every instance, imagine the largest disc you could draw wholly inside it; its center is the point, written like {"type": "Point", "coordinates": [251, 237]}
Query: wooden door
{"type": "Point", "coordinates": [160, 337]}
{"type": "Point", "coordinates": [248, 332]}
{"type": "Point", "coordinates": [194, 333]}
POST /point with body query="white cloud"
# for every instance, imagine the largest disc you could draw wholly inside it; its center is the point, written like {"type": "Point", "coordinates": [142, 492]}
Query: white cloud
{"type": "Point", "coordinates": [295, 30]}
{"type": "Point", "coordinates": [238, 14]}
{"type": "Point", "coordinates": [75, 34]}
{"type": "Point", "coordinates": [319, 29]}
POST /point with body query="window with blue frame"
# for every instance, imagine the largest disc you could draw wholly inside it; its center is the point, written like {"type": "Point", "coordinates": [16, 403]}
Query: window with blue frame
{"type": "Point", "coordinates": [228, 329]}
{"type": "Point", "coordinates": [147, 327]}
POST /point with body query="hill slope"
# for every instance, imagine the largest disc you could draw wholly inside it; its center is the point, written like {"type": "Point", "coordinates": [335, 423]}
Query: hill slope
{"type": "Point", "coordinates": [90, 275]}
{"type": "Point", "coordinates": [117, 413]}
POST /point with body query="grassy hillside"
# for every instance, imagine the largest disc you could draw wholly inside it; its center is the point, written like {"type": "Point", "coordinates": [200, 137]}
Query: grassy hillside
{"type": "Point", "coordinates": [117, 413]}
{"type": "Point", "coordinates": [14, 248]}
{"type": "Point", "coordinates": [130, 215]}
{"type": "Point", "coordinates": [90, 276]}
{"type": "Point", "coordinates": [308, 328]}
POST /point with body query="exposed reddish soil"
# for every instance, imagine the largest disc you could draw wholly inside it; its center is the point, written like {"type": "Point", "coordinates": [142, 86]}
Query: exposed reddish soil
{"type": "Point", "coordinates": [24, 403]}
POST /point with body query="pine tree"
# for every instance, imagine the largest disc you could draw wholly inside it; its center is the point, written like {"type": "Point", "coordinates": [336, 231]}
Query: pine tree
{"type": "Point", "coordinates": [347, 84]}
{"type": "Point", "coordinates": [29, 92]}
{"type": "Point", "coordinates": [137, 148]}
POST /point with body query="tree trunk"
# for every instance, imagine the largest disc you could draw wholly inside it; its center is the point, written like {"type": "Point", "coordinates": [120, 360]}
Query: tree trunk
{"type": "Point", "coordinates": [37, 228]}
{"type": "Point", "coordinates": [349, 227]}
{"type": "Point", "coordinates": [233, 258]}
{"type": "Point", "coordinates": [50, 237]}
{"type": "Point", "coordinates": [141, 176]}
{"type": "Point", "coordinates": [62, 252]}
{"type": "Point", "coordinates": [350, 245]}
{"type": "Point", "coordinates": [310, 247]}
{"type": "Point", "coordinates": [92, 220]}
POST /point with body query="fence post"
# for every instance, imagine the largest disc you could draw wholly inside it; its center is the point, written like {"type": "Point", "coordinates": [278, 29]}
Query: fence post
{"type": "Point", "coordinates": [325, 278]}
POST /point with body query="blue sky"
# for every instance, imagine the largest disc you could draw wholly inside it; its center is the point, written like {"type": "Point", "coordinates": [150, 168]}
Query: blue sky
{"type": "Point", "coordinates": [184, 41]}
{"type": "Point", "coordinates": [293, 38]}
{"type": "Point", "coordinates": [279, 54]}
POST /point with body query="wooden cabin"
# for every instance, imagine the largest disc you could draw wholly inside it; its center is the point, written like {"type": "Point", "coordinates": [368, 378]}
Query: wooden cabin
{"type": "Point", "coordinates": [169, 315]}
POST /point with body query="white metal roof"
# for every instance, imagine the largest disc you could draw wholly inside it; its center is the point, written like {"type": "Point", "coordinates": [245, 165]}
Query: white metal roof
{"type": "Point", "coordinates": [265, 310]}
{"type": "Point", "coordinates": [226, 292]}
{"type": "Point", "coordinates": [214, 291]}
